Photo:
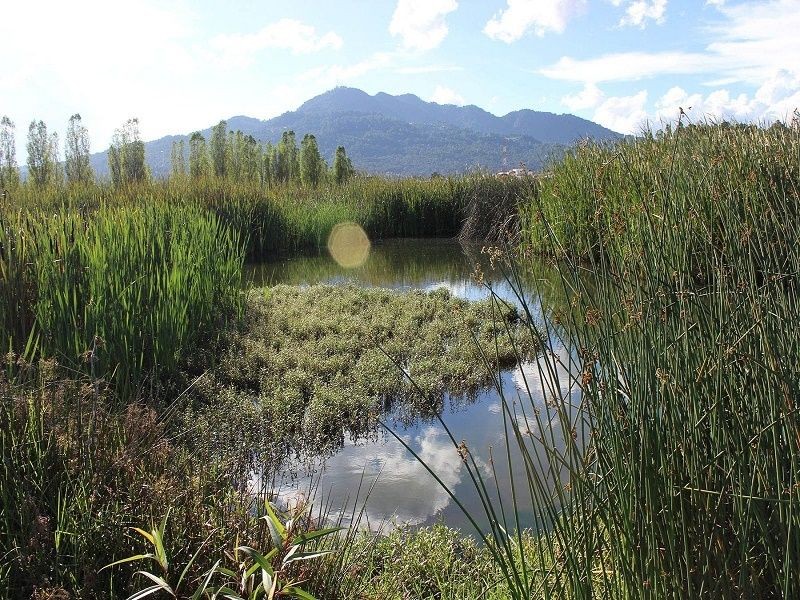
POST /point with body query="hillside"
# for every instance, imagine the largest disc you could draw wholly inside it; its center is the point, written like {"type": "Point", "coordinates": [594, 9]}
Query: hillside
{"type": "Point", "coordinates": [404, 135]}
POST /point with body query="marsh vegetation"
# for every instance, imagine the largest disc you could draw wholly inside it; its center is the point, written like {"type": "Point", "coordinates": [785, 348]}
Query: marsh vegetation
{"type": "Point", "coordinates": [648, 447]}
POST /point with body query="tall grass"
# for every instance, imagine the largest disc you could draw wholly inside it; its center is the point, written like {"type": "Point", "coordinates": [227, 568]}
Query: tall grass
{"type": "Point", "coordinates": [679, 473]}
{"type": "Point", "coordinates": [286, 218]}
{"type": "Point", "coordinates": [120, 292]}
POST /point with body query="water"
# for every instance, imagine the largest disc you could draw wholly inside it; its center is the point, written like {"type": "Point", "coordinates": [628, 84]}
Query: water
{"type": "Point", "coordinates": [403, 492]}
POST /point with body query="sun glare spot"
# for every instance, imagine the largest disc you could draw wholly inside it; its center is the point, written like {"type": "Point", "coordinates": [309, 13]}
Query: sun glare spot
{"type": "Point", "coordinates": [349, 245]}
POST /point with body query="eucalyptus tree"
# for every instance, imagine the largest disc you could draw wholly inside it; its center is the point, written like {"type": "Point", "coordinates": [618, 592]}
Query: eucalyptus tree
{"type": "Point", "coordinates": [250, 159]}
{"type": "Point", "coordinates": [267, 172]}
{"type": "Point", "coordinates": [126, 155]}
{"type": "Point", "coordinates": [9, 171]}
{"type": "Point", "coordinates": [199, 165]}
{"type": "Point", "coordinates": [178, 159]}
{"type": "Point", "coordinates": [219, 149]}
{"type": "Point", "coordinates": [312, 166]}
{"type": "Point", "coordinates": [342, 167]}
{"type": "Point", "coordinates": [42, 154]}
{"type": "Point", "coordinates": [289, 158]}
{"type": "Point", "coordinates": [76, 152]}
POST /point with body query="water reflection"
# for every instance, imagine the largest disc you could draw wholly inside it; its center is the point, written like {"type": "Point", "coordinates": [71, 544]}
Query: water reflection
{"type": "Point", "coordinates": [405, 493]}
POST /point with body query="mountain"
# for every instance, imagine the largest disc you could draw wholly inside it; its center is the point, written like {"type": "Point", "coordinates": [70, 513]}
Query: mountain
{"type": "Point", "coordinates": [404, 135]}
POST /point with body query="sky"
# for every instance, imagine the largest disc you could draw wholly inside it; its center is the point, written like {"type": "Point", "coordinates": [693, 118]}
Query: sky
{"type": "Point", "coordinates": [180, 65]}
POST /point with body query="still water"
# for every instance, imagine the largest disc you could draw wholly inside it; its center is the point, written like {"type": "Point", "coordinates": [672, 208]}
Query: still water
{"type": "Point", "coordinates": [402, 490]}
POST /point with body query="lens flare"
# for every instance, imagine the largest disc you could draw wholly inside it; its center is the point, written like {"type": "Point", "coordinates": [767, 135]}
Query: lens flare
{"type": "Point", "coordinates": [349, 245]}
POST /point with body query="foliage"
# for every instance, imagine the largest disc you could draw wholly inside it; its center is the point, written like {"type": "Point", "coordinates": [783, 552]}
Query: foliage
{"type": "Point", "coordinates": [308, 364]}
{"type": "Point", "coordinates": [678, 475]}
{"type": "Point", "coordinates": [76, 153]}
{"type": "Point", "coordinates": [123, 291]}
{"type": "Point", "coordinates": [43, 167]}
{"type": "Point", "coordinates": [126, 162]}
{"type": "Point", "coordinates": [9, 172]}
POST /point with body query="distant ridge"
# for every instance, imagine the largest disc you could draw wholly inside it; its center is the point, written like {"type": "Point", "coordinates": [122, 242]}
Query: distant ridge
{"type": "Point", "coordinates": [405, 135]}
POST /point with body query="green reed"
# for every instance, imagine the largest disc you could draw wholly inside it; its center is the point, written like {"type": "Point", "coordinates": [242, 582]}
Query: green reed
{"type": "Point", "coordinates": [676, 473]}
{"type": "Point", "coordinates": [291, 217]}
{"type": "Point", "coordinates": [121, 291]}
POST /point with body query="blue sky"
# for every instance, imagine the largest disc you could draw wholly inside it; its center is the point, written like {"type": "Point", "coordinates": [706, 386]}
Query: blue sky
{"type": "Point", "coordinates": [180, 66]}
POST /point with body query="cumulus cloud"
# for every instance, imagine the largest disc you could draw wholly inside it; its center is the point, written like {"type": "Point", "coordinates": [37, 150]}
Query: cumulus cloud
{"type": "Point", "coordinates": [540, 16]}
{"type": "Point", "coordinates": [625, 114]}
{"type": "Point", "coordinates": [754, 41]}
{"type": "Point", "coordinates": [287, 34]}
{"type": "Point", "coordinates": [421, 23]}
{"type": "Point", "coordinates": [589, 97]}
{"type": "Point", "coordinates": [638, 12]}
{"type": "Point", "coordinates": [445, 95]}
{"type": "Point", "coordinates": [776, 99]}
{"type": "Point", "coordinates": [627, 66]}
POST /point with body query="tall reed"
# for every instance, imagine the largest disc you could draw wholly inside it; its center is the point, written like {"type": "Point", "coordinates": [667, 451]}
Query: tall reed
{"type": "Point", "coordinates": [675, 475]}
{"type": "Point", "coordinates": [121, 291]}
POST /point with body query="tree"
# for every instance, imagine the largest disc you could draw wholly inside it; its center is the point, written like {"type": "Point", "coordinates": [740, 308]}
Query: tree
{"type": "Point", "coordinates": [178, 159]}
{"type": "Point", "coordinates": [198, 156]}
{"type": "Point", "coordinates": [126, 155]}
{"type": "Point", "coordinates": [42, 154]}
{"type": "Point", "coordinates": [219, 149]}
{"type": "Point", "coordinates": [267, 168]}
{"type": "Point", "coordinates": [250, 159]}
{"type": "Point", "coordinates": [342, 167]}
{"type": "Point", "coordinates": [76, 152]}
{"type": "Point", "coordinates": [312, 167]}
{"type": "Point", "coordinates": [288, 167]}
{"type": "Point", "coordinates": [9, 172]}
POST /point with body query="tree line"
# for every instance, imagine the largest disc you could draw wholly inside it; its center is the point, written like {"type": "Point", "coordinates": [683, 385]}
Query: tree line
{"type": "Point", "coordinates": [240, 157]}
{"type": "Point", "coordinates": [227, 155]}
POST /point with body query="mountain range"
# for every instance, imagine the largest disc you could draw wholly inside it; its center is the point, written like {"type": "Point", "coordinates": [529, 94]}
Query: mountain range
{"type": "Point", "coordinates": [405, 135]}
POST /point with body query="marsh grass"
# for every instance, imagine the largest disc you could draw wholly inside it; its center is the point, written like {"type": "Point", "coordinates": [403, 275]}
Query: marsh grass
{"type": "Point", "coordinates": [291, 217]}
{"type": "Point", "coordinates": [680, 476]}
{"type": "Point", "coordinates": [120, 293]}
{"type": "Point", "coordinates": [310, 365]}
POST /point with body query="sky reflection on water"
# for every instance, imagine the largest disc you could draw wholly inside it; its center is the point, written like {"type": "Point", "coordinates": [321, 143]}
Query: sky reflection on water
{"type": "Point", "coordinates": [405, 493]}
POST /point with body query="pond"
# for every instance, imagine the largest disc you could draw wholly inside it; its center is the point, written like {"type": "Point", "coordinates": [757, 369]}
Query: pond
{"type": "Point", "coordinates": [402, 492]}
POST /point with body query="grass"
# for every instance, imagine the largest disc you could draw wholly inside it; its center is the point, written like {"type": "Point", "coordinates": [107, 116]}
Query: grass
{"type": "Point", "coordinates": [313, 364]}
{"type": "Point", "coordinates": [288, 218]}
{"type": "Point", "coordinates": [676, 296]}
{"type": "Point", "coordinates": [680, 476]}
{"type": "Point", "coordinates": [122, 291]}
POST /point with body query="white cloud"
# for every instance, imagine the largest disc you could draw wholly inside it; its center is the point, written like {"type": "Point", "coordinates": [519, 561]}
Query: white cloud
{"type": "Point", "coordinates": [424, 69]}
{"type": "Point", "coordinates": [754, 41]}
{"type": "Point", "coordinates": [240, 49]}
{"type": "Point", "coordinates": [444, 95]}
{"type": "Point", "coordinates": [776, 98]}
{"type": "Point", "coordinates": [589, 97]}
{"type": "Point", "coordinates": [625, 114]}
{"type": "Point", "coordinates": [332, 75]}
{"type": "Point", "coordinates": [421, 23]}
{"type": "Point", "coordinates": [539, 16]}
{"type": "Point", "coordinates": [639, 12]}
{"type": "Point", "coordinates": [715, 2]}
{"type": "Point", "coordinates": [627, 66]}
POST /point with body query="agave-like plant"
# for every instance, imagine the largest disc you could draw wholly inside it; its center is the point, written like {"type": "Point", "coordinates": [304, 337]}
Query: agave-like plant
{"type": "Point", "coordinates": [266, 575]}
{"type": "Point", "coordinates": [158, 555]}
{"type": "Point", "coordinates": [256, 576]}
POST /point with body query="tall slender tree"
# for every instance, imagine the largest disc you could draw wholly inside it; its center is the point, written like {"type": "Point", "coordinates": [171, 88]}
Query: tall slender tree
{"type": "Point", "coordinates": [289, 158]}
{"type": "Point", "coordinates": [198, 156]}
{"type": "Point", "coordinates": [76, 152]}
{"type": "Point", "coordinates": [178, 159]}
{"type": "Point", "coordinates": [9, 171]}
{"type": "Point", "coordinates": [342, 167]}
{"type": "Point", "coordinates": [42, 154]}
{"type": "Point", "coordinates": [126, 155]}
{"type": "Point", "coordinates": [219, 149]}
{"type": "Point", "coordinates": [312, 166]}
